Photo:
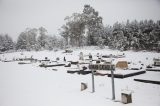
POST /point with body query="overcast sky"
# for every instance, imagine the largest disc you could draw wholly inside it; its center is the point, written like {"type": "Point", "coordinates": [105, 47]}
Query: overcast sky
{"type": "Point", "coordinates": [17, 15]}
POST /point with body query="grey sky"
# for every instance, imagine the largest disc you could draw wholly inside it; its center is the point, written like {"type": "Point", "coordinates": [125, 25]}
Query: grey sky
{"type": "Point", "coordinates": [16, 15]}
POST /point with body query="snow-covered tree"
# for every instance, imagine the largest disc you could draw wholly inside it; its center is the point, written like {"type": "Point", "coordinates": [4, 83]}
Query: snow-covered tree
{"type": "Point", "coordinates": [27, 39]}
{"type": "Point", "coordinates": [31, 38]}
{"type": "Point", "coordinates": [41, 40]}
{"type": "Point", "coordinates": [94, 24]}
{"type": "Point", "coordinates": [76, 25]}
{"type": "Point", "coordinates": [51, 42]}
{"type": "Point", "coordinates": [6, 43]}
{"type": "Point", "coordinates": [21, 41]}
{"type": "Point", "coordinates": [2, 43]}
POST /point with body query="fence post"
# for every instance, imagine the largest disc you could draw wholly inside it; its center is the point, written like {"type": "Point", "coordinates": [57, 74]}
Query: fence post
{"type": "Point", "coordinates": [93, 88]}
{"type": "Point", "coordinates": [112, 78]}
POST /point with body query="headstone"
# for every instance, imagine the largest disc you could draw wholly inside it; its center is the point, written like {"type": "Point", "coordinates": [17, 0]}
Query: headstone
{"type": "Point", "coordinates": [64, 59]}
{"type": "Point", "coordinates": [98, 55]}
{"type": "Point", "coordinates": [57, 59]}
{"type": "Point", "coordinates": [122, 64]}
{"type": "Point", "coordinates": [83, 86]}
{"type": "Point", "coordinates": [90, 56]}
{"type": "Point", "coordinates": [81, 56]}
{"type": "Point", "coordinates": [126, 97]}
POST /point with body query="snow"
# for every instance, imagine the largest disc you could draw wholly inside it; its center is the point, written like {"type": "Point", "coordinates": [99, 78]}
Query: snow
{"type": "Point", "coordinates": [31, 85]}
{"type": "Point", "coordinates": [153, 76]}
{"type": "Point", "coordinates": [126, 91]}
{"type": "Point", "coordinates": [119, 71]}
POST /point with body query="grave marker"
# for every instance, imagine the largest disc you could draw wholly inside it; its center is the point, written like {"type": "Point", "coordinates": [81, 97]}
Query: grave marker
{"type": "Point", "coordinates": [109, 67]}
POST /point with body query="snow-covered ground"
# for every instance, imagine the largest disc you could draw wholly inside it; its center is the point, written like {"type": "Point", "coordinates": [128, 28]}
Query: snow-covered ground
{"type": "Point", "coordinates": [31, 85]}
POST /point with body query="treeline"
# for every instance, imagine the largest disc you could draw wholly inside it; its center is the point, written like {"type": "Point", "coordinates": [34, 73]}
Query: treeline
{"type": "Point", "coordinates": [31, 39]}
{"type": "Point", "coordinates": [87, 29]}
{"type": "Point", "coordinates": [38, 39]}
{"type": "Point", "coordinates": [6, 43]}
{"type": "Point", "coordinates": [142, 35]}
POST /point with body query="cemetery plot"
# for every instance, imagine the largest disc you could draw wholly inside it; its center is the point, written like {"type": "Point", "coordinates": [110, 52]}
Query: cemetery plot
{"type": "Point", "coordinates": [79, 72]}
{"type": "Point", "coordinates": [51, 65]}
{"type": "Point", "coordinates": [24, 62]}
{"type": "Point", "coordinates": [59, 83]}
{"type": "Point", "coordinates": [149, 77]}
{"type": "Point", "coordinates": [147, 81]}
{"type": "Point", "coordinates": [130, 73]}
{"type": "Point", "coordinates": [155, 66]}
{"type": "Point", "coordinates": [157, 69]}
{"type": "Point", "coordinates": [120, 73]}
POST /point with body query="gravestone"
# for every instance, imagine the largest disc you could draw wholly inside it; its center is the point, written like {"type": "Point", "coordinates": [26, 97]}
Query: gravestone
{"type": "Point", "coordinates": [83, 86]}
{"type": "Point", "coordinates": [126, 97]}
